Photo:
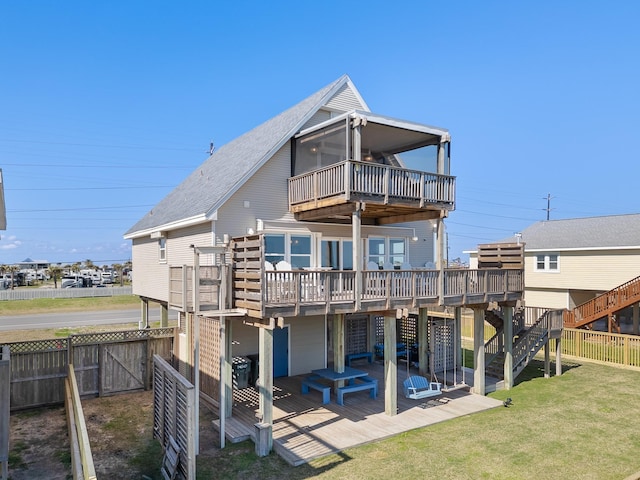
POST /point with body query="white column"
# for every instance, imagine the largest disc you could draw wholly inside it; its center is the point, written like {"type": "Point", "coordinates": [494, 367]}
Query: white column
{"type": "Point", "coordinates": [356, 234]}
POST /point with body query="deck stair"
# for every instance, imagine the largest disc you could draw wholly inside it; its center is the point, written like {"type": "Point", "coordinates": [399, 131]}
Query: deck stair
{"type": "Point", "coordinates": [533, 327]}
{"type": "Point", "coordinates": [606, 305]}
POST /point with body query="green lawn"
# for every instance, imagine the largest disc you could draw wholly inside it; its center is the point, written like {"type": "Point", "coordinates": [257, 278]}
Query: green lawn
{"type": "Point", "coordinates": [583, 424]}
{"type": "Point", "coordinates": [56, 305]}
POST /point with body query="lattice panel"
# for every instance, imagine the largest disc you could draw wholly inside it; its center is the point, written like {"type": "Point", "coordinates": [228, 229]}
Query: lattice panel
{"type": "Point", "coordinates": [120, 336]}
{"type": "Point", "coordinates": [210, 357]}
{"type": "Point", "coordinates": [442, 344]}
{"type": "Point", "coordinates": [379, 328]}
{"type": "Point", "coordinates": [39, 346]}
{"type": "Point", "coordinates": [356, 333]}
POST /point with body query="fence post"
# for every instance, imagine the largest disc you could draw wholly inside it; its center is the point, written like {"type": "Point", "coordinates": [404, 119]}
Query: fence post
{"type": "Point", "coordinates": [5, 399]}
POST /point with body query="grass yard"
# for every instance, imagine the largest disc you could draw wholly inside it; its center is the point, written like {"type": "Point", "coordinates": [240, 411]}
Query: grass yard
{"type": "Point", "coordinates": [56, 305]}
{"type": "Point", "coordinates": [583, 424]}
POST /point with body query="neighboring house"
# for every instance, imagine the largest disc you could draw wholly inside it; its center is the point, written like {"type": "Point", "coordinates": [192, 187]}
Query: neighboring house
{"type": "Point", "coordinates": [569, 262]}
{"type": "Point", "coordinates": [303, 239]}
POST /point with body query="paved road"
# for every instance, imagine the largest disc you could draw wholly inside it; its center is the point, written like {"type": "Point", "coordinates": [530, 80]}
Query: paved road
{"type": "Point", "coordinates": [76, 319]}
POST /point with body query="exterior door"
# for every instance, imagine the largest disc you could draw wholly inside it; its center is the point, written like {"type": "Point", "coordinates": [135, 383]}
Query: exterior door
{"type": "Point", "coordinates": [280, 352]}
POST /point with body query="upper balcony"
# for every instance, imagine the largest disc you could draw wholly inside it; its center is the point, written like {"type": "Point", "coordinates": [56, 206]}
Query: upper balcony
{"type": "Point", "coordinates": [394, 171]}
{"type": "Point", "coordinates": [392, 194]}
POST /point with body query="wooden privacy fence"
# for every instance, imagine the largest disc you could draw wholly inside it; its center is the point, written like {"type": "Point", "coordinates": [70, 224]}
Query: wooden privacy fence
{"type": "Point", "coordinates": [610, 348]}
{"type": "Point", "coordinates": [105, 363]}
{"type": "Point", "coordinates": [174, 415]}
{"type": "Point", "coordinates": [5, 378]}
{"type": "Point", "coordinates": [81, 457]}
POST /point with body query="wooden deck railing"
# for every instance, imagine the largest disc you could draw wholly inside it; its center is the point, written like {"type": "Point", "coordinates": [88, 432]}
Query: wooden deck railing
{"type": "Point", "coordinates": [181, 287]}
{"type": "Point", "coordinates": [414, 287]}
{"type": "Point", "coordinates": [613, 348]}
{"type": "Point", "coordinates": [601, 306]}
{"type": "Point", "coordinates": [384, 183]}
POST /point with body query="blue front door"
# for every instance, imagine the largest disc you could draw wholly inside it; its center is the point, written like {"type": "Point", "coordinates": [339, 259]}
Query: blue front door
{"type": "Point", "coordinates": [280, 352]}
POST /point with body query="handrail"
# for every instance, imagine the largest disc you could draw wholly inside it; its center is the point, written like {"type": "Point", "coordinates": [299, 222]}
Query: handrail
{"type": "Point", "coordinates": [608, 302]}
{"type": "Point", "coordinates": [301, 286]}
{"type": "Point", "coordinates": [364, 178]}
{"type": "Point", "coordinates": [78, 430]}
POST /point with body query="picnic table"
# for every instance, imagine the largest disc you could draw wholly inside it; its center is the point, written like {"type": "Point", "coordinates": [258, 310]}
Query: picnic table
{"type": "Point", "coordinates": [349, 374]}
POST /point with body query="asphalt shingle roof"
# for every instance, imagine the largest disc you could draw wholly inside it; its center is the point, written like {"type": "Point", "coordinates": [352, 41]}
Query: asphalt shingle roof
{"type": "Point", "coordinates": [224, 171]}
{"type": "Point", "coordinates": [591, 232]}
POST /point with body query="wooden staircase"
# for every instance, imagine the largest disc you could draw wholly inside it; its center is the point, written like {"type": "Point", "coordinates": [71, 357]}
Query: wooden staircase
{"type": "Point", "coordinates": [533, 327]}
{"type": "Point", "coordinates": [606, 305]}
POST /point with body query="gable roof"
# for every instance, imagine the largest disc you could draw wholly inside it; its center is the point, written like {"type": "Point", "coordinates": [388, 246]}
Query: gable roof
{"type": "Point", "coordinates": [614, 231]}
{"type": "Point", "coordinates": [209, 185]}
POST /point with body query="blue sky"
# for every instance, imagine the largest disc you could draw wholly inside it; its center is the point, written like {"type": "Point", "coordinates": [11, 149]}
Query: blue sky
{"type": "Point", "coordinates": [106, 106]}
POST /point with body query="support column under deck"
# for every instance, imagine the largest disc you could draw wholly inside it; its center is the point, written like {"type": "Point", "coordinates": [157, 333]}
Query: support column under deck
{"type": "Point", "coordinates": [164, 316]}
{"type": "Point", "coordinates": [636, 318]}
{"type": "Point", "coordinates": [478, 352]}
{"type": "Point", "coordinates": [508, 348]}
{"type": "Point", "coordinates": [144, 314]}
{"type": "Point", "coordinates": [423, 342]}
{"type": "Point", "coordinates": [338, 345]}
{"type": "Point", "coordinates": [559, 356]}
{"type": "Point", "coordinates": [390, 367]}
{"type": "Point", "coordinates": [265, 390]}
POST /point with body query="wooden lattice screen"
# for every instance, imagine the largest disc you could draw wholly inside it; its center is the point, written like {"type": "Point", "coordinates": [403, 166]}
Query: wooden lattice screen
{"type": "Point", "coordinates": [442, 343]}
{"type": "Point", "coordinates": [356, 333]}
{"type": "Point", "coordinates": [210, 357]}
{"type": "Point", "coordinates": [174, 414]}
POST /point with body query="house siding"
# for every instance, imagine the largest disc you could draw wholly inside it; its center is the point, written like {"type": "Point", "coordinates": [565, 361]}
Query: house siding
{"type": "Point", "coordinates": [318, 117]}
{"type": "Point", "coordinates": [152, 281]}
{"type": "Point", "coordinates": [546, 298]}
{"type": "Point", "coordinates": [585, 270]}
{"type": "Point", "coordinates": [306, 340]}
{"type": "Point", "coordinates": [345, 99]}
{"type": "Point", "coordinates": [267, 194]}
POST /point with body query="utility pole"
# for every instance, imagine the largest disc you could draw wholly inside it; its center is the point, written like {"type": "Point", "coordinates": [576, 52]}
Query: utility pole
{"type": "Point", "coordinates": [548, 209]}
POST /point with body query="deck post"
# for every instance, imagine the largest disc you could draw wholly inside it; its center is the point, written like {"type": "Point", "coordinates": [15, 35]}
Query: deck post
{"type": "Point", "coordinates": [5, 399]}
{"type": "Point", "coordinates": [338, 345]}
{"type": "Point", "coordinates": [228, 363]}
{"type": "Point", "coordinates": [636, 318]}
{"type": "Point", "coordinates": [508, 348]}
{"type": "Point", "coordinates": [390, 366]}
{"type": "Point", "coordinates": [478, 352]}
{"type": "Point", "coordinates": [164, 316]}
{"type": "Point", "coordinates": [144, 314]}
{"type": "Point", "coordinates": [265, 389]}
{"type": "Point", "coordinates": [356, 233]}
{"type": "Point", "coordinates": [439, 229]}
{"type": "Point", "coordinates": [559, 356]}
{"type": "Point", "coordinates": [547, 360]}
{"type": "Point", "coordinates": [423, 342]}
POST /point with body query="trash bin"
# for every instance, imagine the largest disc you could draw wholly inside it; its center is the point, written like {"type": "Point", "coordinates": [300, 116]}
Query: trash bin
{"type": "Point", "coordinates": [241, 367]}
{"type": "Point", "coordinates": [255, 363]}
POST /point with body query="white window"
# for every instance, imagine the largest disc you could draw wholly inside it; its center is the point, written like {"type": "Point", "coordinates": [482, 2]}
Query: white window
{"type": "Point", "coordinates": [293, 248]}
{"type": "Point", "coordinates": [547, 263]}
{"type": "Point", "coordinates": [162, 249]}
{"type": "Point", "coordinates": [387, 250]}
{"type": "Point", "coordinates": [336, 254]}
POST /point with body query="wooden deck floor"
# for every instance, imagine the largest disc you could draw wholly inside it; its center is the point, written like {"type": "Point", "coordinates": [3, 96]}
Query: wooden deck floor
{"type": "Point", "coordinates": [304, 429]}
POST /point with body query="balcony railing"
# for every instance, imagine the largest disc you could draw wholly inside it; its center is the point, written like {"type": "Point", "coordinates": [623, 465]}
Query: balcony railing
{"type": "Point", "coordinates": [382, 183]}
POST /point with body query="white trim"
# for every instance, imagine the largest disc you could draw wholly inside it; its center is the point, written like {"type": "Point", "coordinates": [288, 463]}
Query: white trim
{"type": "Point", "coordinates": [187, 222]}
{"type": "Point", "coordinates": [578, 249]}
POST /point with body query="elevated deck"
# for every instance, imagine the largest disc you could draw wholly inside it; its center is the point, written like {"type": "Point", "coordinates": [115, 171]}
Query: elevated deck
{"type": "Point", "coordinates": [392, 194]}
